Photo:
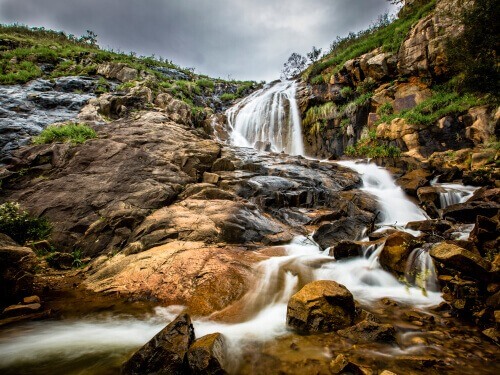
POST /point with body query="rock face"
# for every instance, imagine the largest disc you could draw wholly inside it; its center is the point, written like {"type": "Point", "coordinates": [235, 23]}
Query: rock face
{"type": "Point", "coordinates": [16, 271]}
{"type": "Point", "coordinates": [118, 71]}
{"type": "Point", "coordinates": [166, 352]}
{"type": "Point", "coordinates": [25, 110]}
{"type": "Point", "coordinates": [207, 355]}
{"type": "Point", "coordinates": [321, 306]}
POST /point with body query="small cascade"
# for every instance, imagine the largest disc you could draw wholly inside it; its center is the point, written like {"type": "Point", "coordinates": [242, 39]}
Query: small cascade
{"type": "Point", "coordinates": [420, 270]}
{"type": "Point", "coordinates": [268, 120]}
{"type": "Point", "coordinates": [454, 194]}
{"type": "Point", "coordinates": [395, 208]}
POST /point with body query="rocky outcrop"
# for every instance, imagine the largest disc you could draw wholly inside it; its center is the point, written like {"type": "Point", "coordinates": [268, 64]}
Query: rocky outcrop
{"type": "Point", "coordinates": [455, 258]}
{"type": "Point", "coordinates": [205, 279]}
{"type": "Point", "coordinates": [166, 352]}
{"type": "Point", "coordinates": [321, 306]}
{"type": "Point", "coordinates": [17, 265]}
{"type": "Point", "coordinates": [119, 71]}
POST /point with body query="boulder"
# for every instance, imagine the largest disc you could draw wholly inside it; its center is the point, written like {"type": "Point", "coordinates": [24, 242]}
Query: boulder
{"type": "Point", "coordinates": [430, 226]}
{"type": "Point", "coordinates": [377, 66]}
{"type": "Point", "coordinates": [349, 249]}
{"type": "Point", "coordinates": [60, 261]}
{"type": "Point", "coordinates": [329, 235]}
{"type": "Point", "coordinates": [207, 355]}
{"type": "Point", "coordinates": [341, 365]}
{"type": "Point", "coordinates": [430, 194]}
{"type": "Point", "coordinates": [210, 178]}
{"type": "Point", "coordinates": [454, 258]}
{"type": "Point", "coordinates": [17, 310]}
{"type": "Point", "coordinates": [17, 265]}
{"type": "Point", "coordinates": [321, 306]}
{"type": "Point", "coordinates": [367, 331]}
{"type": "Point", "coordinates": [119, 71]}
{"type": "Point", "coordinates": [175, 109]}
{"type": "Point", "coordinates": [166, 352]}
{"type": "Point", "coordinates": [396, 251]}
{"type": "Point", "coordinates": [468, 212]}
{"type": "Point", "coordinates": [412, 181]}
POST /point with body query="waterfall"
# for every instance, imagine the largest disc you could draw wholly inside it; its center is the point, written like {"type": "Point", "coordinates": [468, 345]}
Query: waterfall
{"type": "Point", "coordinates": [268, 120]}
{"type": "Point", "coordinates": [395, 208]}
{"type": "Point", "coordinates": [420, 270]}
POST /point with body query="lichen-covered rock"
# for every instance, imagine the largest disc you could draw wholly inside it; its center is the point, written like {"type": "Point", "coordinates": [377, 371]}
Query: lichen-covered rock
{"type": "Point", "coordinates": [166, 352]}
{"type": "Point", "coordinates": [208, 354]}
{"type": "Point", "coordinates": [321, 306]}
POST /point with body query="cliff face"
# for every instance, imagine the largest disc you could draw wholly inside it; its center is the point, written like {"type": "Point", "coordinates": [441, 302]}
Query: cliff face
{"type": "Point", "coordinates": [396, 96]}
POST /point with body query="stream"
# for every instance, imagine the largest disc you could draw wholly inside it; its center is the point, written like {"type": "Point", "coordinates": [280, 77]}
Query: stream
{"type": "Point", "coordinates": [98, 343]}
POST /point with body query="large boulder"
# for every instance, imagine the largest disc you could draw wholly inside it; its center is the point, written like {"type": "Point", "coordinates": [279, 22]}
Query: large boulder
{"type": "Point", "coordinates": [412, 181]}
{"type": "Point", "coordinates": [396, 251]}
{"type": "Point", "coordinates": [331, 234]}
{"type": "Point", "coordinates": [204, 279]}
{"type": "Point", "coordinates": [368, 331]}
{"type": "Point", "coordinates": [321, 306]}
{"type": "Point", "coordinates": [166, 352]}
{"type": "Point", "coordinates": [452, 258]}
{"type": "Point", "coordinates": [17, 265]}
{"type": "Point", "coordinates": [207, 355]}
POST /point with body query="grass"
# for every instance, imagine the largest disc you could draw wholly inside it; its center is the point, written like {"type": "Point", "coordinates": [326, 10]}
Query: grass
{"type": "Point", "coordinates": [228, 97]}
{"type": "Point", "coordinates": [72, 132]}
{"type": "Point", "coordinates": [370, 147]}
{"type": "Point", "coordinates": [442, 103]}
{"type": "Point", "coordinates": [389, 37]}
{"type": "Point", "coordinates": [315, 114]}
{"type": "Point", "coordinates": [20, 225]}
{"type": "Point", "coordinates": [25, 49]}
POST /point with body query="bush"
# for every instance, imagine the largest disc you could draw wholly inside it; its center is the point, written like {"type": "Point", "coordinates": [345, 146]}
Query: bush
{"type": "Point", "coordinates": [20, 226]}
{"type": "Point", "coordinates": [227, 97]}
{"type": "Point", "coordinates": [72, 132]}
{"type": "Point", "coordinates": [473, 56]}
{"type": "Point", "coordinates": [385, 109]}
{"type": "Point", "coordinates": [318, 80]}
{"type": "Point", "coordinates": [205, 83]}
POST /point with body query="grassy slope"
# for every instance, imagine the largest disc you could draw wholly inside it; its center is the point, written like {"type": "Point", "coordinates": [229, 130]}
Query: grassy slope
{"type": "Point", "coordinates": [24, 51]}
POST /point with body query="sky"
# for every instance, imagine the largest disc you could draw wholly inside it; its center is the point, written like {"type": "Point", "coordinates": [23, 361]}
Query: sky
{"type": "Point", "coordinates": [235, 39]}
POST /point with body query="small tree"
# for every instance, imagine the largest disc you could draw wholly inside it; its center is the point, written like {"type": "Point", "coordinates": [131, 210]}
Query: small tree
{"type": "Point", "coordinates": [89, 38]}
{"type": "Point", "coordinates": [295, 64]}
{"type": "Point", "coordinates": [314, 54]}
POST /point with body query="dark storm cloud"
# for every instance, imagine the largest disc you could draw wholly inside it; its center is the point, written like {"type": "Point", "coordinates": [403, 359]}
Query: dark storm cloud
{"type": "Point", "coordinates": [247, 39]}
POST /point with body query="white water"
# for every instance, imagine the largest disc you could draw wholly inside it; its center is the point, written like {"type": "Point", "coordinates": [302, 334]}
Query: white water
{"type": "Point", "coordinates": [455, 194]}
{"type": "Point", "coordinates": [420, 270]}
{"type": "Point", "coordinates": [395, 208]}
{"type": "Point", "coordinates": [269, 115]}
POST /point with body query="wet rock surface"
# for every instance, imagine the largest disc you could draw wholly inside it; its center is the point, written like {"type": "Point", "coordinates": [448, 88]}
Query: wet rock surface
{"type": "Point", "coordinates": [25, 110]}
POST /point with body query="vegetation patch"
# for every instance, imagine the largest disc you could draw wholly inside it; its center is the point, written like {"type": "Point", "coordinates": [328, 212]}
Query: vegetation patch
{"type": "Point", "coordinates": [20, 225]}
{"type": "Point", "coordinates": [386, 34]}
{"type": "Point", "coordinates": [371, 147]}
{"type": "Point", "coordinates": [442, 103]}
{"type": "Point", "coordinates": [72, 132]}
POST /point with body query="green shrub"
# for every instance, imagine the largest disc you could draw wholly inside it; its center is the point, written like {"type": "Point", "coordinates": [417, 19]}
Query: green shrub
{"type": "Point", "coordinates": [314, 114]}
{"type": "Point", "coordinates": [317, 80]}
{"type": "Point", "coordinates": [385, 109]}
{"type": "Point", "coordinates": [72, 132]}
{"type": "Point", "coordinates": [347, 92]}
{"type": "Point", "coordinates": [20, 225]}
{"type": "Point", "coordinates": [244, 88]}
{"type": "Point", "coordinates": [205, 83]}
{"type": "Point", "coordinates": [227, 97]}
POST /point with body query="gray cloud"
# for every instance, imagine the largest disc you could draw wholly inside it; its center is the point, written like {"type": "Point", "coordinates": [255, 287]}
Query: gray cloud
{"type": "Point", "coordinates": [247, 39]}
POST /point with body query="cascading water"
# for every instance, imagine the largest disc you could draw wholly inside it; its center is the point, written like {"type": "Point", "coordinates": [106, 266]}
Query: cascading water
{"type": "Point", "coordinates": [268, 118]}
{"type": "Point", "coordinates": [395, 208]}
{"type": "Point", "coordinates": [420, 270]}
{"type": "Point", "coordinates": [454, 194]}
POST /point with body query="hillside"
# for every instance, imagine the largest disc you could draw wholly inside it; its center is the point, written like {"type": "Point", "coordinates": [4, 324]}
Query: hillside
{"type": "Point", "coordinates": [424, 86]}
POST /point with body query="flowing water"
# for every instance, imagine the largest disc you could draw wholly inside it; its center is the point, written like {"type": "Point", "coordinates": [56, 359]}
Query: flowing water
{"type": "Point", "coordinates": [68, 346]}
{"type": "Point", "coordinates": [454, 194]}
{"type": "Point", "coordinates": [269, 118]}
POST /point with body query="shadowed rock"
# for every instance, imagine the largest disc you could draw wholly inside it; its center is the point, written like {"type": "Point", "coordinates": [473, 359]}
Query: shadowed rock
{"type": "Point", "coordinates": [166, 352]}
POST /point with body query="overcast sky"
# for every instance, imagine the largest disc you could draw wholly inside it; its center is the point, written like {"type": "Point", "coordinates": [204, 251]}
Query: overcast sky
{"type": "Point", "coordinates": [239, 39]}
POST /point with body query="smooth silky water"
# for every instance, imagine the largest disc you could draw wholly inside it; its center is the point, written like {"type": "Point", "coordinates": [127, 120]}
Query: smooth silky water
{"type": "Point", "coordinates": [99, 344]}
